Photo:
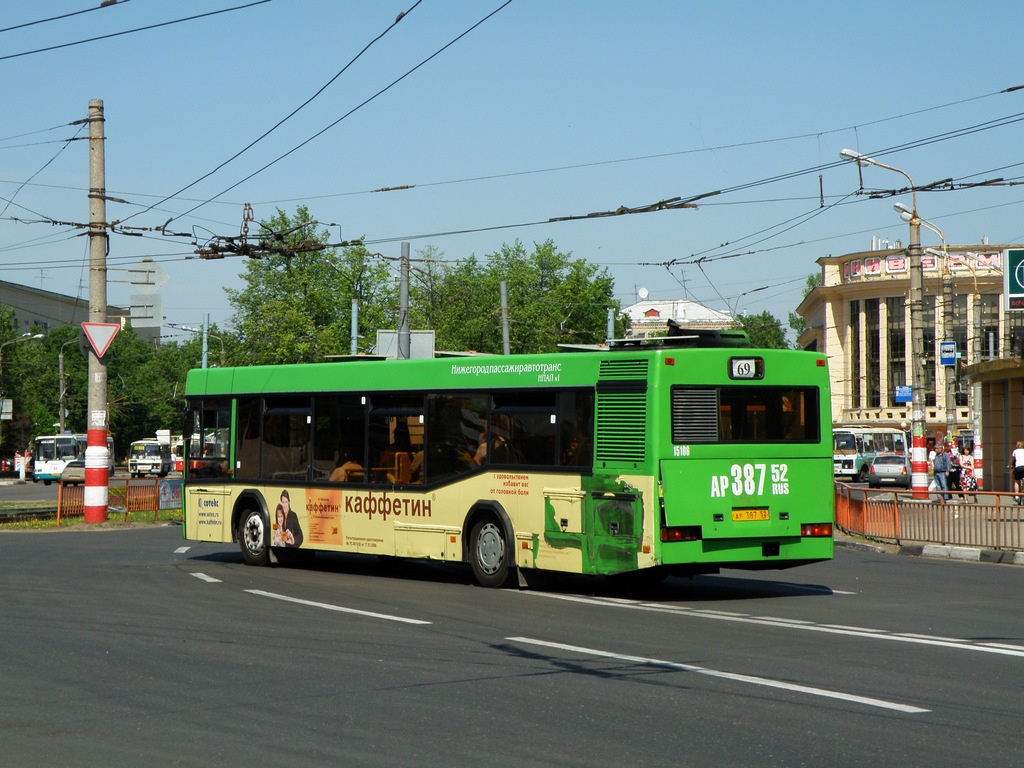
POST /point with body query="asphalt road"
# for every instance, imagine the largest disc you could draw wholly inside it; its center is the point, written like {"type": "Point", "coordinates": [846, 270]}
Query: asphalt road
{"type": "Point", "coordinates": [133, 647]}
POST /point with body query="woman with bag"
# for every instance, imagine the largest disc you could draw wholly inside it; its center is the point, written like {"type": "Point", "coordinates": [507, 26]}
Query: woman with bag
{"type": "Point", "coordinates": [968, 480]}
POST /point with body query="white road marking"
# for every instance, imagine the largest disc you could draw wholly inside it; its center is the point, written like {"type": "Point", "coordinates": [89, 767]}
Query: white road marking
{"type": "Point", "coordinates": [207, 579]}
{"type": "Point", "coordinates": [340, 609]}
{"type": "Point", "coordinates": [835, 629]}
{"type": "Point", "coordinates": [763, 681]}
{"type": "Point", "coordinates": [182, 550]}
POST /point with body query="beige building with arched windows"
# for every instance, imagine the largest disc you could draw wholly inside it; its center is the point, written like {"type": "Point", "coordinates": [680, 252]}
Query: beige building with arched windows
{"type": "Point", "coordinates": [860, 318]}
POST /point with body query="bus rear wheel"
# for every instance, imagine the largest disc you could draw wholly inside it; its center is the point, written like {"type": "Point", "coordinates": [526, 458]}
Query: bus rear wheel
{"type": "Point", "coordinates": [252, 538]}
{"type": "Point", "coordinates": [489, 556]}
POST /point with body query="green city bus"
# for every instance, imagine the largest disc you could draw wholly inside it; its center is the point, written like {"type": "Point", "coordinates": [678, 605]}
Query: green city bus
{"type": "Point", "coordinates": [681, 456]}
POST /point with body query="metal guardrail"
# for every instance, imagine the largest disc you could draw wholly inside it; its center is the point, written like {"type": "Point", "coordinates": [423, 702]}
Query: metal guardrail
{"type": "Point", "coordinates": [124, 496]}
{"type": "Point", "coordinates": [985, 519]}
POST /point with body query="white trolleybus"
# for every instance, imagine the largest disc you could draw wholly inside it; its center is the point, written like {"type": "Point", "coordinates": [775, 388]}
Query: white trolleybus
{"type": "Point", "coordinates": [854, 448]}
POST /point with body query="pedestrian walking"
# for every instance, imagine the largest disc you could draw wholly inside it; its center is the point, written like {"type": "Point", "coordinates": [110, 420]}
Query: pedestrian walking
{"type": "Point", "coordinates": [940, 469]}
{"type": "Point", "coordinates": [968, 480]}
{"type": "Point", "coordinates": [954, 469]}
{"type": "Point", "coordinates": [1016, 465]}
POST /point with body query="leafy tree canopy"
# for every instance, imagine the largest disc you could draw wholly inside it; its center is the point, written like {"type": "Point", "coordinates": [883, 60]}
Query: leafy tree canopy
{"type": "Point", "coordinates": [765, 330]}
{"type": "Point", "coordinates": [552, 299]}
{"type": "Point", "coordinates": [298, 307]}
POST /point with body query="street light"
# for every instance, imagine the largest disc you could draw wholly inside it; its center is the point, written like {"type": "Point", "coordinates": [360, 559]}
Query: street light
{"type": "Point", "coordinates": [947, 312]}
{"type": "Point", "coordinates": [23, 337]}
{"type": "Point", "coordinates": [736, 302]}
{"type": "Point", "coordinates": [63, 385]}
{"type": "Point", "coordinates": [206, 334]}
{"type": "Point", "coordinates": [919, 456]}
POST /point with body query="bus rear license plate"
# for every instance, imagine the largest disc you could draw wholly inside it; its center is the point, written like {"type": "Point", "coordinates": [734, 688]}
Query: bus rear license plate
{"type": "Point", "coordinates": [743, 515]}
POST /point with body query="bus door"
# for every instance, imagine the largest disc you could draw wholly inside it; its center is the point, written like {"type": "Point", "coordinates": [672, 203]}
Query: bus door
{"type": "Point", "coordinates": [605, 526]}
{"type": "Point", "coordinates": [209, 507]}
{"type": "Point", "coordinates": [616, 524]}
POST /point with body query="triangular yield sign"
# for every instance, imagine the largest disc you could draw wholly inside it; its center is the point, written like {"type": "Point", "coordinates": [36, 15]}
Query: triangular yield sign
{"type": "Point", "coordinates": [100, 335]}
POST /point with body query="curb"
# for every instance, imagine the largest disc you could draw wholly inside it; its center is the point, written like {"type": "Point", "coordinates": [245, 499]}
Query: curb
{"type": "Point", "coordinates": [968, 554]}
{"type": "Point", "coordinates": [941, 551]}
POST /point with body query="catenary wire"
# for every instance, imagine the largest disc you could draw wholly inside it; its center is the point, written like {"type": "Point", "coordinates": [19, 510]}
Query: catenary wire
{"type": "Point", "coordinates": [283, 120]}
{"type": "Point", "coordinates": [353, 110]}
{"type": "Point", "coordinates": [132, 31]}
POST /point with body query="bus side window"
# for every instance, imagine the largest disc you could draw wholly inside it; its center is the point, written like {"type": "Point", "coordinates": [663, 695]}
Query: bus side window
{"type": "Point", "coordinates": [453, 429]}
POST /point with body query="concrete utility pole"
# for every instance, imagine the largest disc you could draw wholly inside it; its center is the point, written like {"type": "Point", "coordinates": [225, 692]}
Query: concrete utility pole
{"type": "Point", "coordinates": [505, 345]}
{"type": "Point", "coordinates": [96, 455]}
{"type": "Point", "coordinates": [404, 336]}
{"type": "Point", "coordinates": [919, 446]}
{"type": "Point", "coordinates": [919, 449]}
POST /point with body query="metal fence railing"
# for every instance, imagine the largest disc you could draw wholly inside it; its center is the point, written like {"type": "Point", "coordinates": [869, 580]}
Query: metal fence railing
{"type": "Point", "coordinates": [125, 496]}
{"type": "Point", "coordinates": [985, 519]}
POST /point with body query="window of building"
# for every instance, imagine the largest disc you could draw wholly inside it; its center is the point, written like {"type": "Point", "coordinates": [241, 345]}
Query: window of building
{"type": "Point", "coordinates": [873, 353]}
{"type": "Point", "coordinates": [990, 326]}
{"type": "Point", "coordinates": [959, 335]}
{"type": "Point", "coordinates": [928, 363]}
{"type": "Point", "coordinates": [896, 365]}
{"type": "Point", "coordinates": [855, 373]}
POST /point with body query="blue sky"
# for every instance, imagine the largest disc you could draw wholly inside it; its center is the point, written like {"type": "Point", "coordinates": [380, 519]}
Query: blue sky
{"type": "Point", "coordinates": [547, 109]}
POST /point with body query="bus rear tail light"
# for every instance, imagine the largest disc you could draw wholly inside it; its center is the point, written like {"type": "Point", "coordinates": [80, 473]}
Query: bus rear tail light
{"type": "Point", "coordinates": [681, 533]}
{"type": "Point", "coordinates": [816, 529]}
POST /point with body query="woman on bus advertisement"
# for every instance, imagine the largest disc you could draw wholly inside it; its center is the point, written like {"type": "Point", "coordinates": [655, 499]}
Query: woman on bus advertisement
{"type": "Point", "coordinates": [290, 530]}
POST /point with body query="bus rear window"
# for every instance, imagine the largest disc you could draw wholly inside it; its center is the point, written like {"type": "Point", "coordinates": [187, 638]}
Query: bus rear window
{"type": "Point", "coordinates": [744, 414]}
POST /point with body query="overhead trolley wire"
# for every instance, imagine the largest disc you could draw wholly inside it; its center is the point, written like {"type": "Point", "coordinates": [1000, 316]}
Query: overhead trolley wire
{"type": "Point", "coordinates": [277, 125]}
{"type": "Point", "coordinates": [356, 108]}
{"type": "Point", "coordinates": [132, 31]}
{"type": "Point", "coordinates": [105, 4]}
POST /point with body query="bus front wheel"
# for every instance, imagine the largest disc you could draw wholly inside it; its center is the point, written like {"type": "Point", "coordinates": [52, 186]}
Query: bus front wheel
{"type": "Point", "coordinates": [489, 555]}
{"type": "Point", "coordinates": [252, 538]}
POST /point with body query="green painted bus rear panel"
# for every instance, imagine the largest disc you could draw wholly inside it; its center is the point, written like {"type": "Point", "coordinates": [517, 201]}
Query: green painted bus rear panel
{"type": "Point", "coordinates": [792, 489]}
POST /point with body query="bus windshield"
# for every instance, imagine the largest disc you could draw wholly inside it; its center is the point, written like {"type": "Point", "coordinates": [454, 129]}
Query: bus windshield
{"type": "Point", "coordinates": [844, 441]}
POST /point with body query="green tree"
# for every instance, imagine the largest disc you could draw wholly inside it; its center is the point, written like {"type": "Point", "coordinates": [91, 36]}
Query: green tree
{"type": "Point", "coordinates": [297, 307]}
{"type": "Point", "coordinates": [765, 330]}
{"type": "Point", "coordinates": [552, 299]}
{"type": "Point", "coordinates": [18, 371]}
{"type": "Point", "coordinates": [797, 323]}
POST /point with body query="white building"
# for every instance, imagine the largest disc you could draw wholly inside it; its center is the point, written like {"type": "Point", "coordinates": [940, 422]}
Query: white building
{"type": "Point", "coordinates": [650, 318]}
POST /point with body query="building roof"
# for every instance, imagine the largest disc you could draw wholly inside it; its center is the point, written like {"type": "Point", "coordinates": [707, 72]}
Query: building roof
{"type": "Point", "coordinates": [685, 312]}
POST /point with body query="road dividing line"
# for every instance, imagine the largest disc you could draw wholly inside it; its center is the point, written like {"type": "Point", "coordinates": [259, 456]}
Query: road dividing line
{"type": "Point", "coordinates": [182, 550]}
{"type": "Point", "coordinates": [751, 680]}
{"type": "Point", "coordinates": [799, 624]}
{"type": "Point", "coordinates": [207, 579]}
{"type": "Point", "coordinates": [340, 609]}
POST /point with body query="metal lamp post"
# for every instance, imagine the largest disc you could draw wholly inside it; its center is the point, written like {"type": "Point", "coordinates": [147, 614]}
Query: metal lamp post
{"type": "Point", "coordinates": [63, 384]}
{"type": "Point", "coordinates": [919, 455]}
{"type": "Point", "coordinates": [947, 311]}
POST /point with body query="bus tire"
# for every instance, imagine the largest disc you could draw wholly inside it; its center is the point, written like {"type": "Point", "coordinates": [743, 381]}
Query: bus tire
{"type": "Point", "coordinates": [489, 555]}
{"type": "Point", "coordinates": [862, 476]}
{"type": "Point", "coordinates": [252, 538]}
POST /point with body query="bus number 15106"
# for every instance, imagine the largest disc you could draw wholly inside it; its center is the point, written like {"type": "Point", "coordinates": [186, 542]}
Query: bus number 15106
{"type": "Point", "coordinates": [752, 480]}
